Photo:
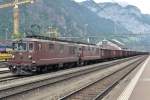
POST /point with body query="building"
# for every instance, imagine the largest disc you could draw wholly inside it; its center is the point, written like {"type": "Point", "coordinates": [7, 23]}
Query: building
{"type": "Point", "coordinates": [112, 44]}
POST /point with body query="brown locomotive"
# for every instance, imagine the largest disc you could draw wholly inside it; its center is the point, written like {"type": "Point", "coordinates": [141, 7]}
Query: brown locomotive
{"type": "Point", "coordinates": [35, 54]}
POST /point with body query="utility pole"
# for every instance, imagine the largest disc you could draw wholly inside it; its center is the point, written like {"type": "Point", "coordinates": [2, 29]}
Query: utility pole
{"type": "Point", "coordinates": [15, 6]}
{"type": "Point", "coordinates": [85, 32]}
{"type": "Point", "coordinates": [115, 27]}
{"type": "Point", "coordinates": [6, 34]}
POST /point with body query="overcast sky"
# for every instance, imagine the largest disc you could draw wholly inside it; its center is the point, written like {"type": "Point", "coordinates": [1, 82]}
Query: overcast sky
{"type": "Point", "coordinates": [144, 5]}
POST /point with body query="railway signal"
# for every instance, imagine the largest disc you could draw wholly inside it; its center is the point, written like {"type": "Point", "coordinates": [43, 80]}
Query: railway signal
{"type": "Point", "coordinates": [15, 5]}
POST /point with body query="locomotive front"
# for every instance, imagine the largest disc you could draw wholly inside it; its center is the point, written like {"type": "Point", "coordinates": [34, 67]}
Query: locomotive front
{"type": "Point", "coordinates": [23, 60]}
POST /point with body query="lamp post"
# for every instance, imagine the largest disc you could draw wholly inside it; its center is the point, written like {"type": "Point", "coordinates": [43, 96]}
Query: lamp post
{"type": "Point", "coordinates": [85, 29]}
{"type": "Point", "coordinates": [6, 35]}
{"type": "Point", "coordinates": [85, 32]}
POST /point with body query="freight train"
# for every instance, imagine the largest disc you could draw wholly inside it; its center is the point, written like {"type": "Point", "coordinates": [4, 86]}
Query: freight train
{"type": "Point", "coordinates": [35, 54]}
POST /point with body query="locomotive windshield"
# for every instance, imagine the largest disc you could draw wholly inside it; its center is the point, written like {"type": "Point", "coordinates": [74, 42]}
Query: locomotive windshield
{"type": "Point", "coordinates": [20, 46]}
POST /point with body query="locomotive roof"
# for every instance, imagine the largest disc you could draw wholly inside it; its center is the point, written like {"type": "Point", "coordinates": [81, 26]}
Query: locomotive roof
{"type": "Point", "coordinates": [48, 39]}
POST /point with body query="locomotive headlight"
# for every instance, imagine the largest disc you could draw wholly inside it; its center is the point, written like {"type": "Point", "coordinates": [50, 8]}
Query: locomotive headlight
{"type": "Point", "coordinates": [14, 67]}
{"type": "Point", "coordinates": [20, 53]}
{"type": "Point", "coordinates": [13, 56]}
{"type": "Point", "coordinates": [30, 57]}
{"type": "Point", "coordinates": [33, 62]}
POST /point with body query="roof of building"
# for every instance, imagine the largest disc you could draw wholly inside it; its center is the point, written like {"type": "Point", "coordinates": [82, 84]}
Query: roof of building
{"type": "Point", "coordinates": [114, 44]}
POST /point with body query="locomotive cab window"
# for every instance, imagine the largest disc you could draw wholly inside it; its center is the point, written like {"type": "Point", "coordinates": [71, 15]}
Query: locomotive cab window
{"type": "Point", "coordinates": [15, 46]}
{"type": "Point", "coordinates": [20, 46]}
{"type": "Point", "coordinates": [38, 47]}
{"type": "Point", "coordinates": [80, 49]}
{"type": "Point", "coordinates": [30, 46]}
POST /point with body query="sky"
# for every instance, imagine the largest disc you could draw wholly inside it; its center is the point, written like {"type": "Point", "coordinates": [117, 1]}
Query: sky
{"type": "Point", "coordinates": [143, 5]}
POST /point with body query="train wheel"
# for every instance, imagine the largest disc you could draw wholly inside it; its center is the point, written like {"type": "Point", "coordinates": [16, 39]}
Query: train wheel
{"type": "Point", "coordinates": [55, 67]}
{"type": "Point", "coordinates": [44, 69]}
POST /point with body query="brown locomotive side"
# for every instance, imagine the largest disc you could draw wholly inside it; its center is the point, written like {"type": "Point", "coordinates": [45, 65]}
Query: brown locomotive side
{"type": "Point", "coordinates": [37, 55]}
{"type": "Point", "coordinates": [55, 52]}
{"type": "Point", "coordinates": [42, 55]}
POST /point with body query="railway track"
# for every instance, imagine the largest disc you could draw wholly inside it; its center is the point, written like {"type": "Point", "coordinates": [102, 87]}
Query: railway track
{"type": "Point", "coordinates": [98, 89]}
{"type": "Point", "coordinates": [6, 76]}
{"type": "Point", "coordinates": [5, 79]}
{"type": "Point", "coordinates": [25, 84]}
{"type": "Point", "coordinates": [3, 64]}
{"type": "Point", "coordinates": [5, 71]}
{"type": "Point", "coordinates": [3, 68]}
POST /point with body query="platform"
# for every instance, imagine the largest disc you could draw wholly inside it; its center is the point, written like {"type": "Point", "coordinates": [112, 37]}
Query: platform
{"type": "Point", "coordinates": [139, 86]}
{"type": "Point", "coordinates": [3, 64]}
{"type": "Point", "coordinates": [4, 69]}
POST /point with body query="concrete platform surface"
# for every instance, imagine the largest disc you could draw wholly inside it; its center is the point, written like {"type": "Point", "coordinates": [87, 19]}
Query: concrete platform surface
{"type": "Point", "coordinates": [4, 69]}
{"type": "Point", "coordinates": [139, 87]}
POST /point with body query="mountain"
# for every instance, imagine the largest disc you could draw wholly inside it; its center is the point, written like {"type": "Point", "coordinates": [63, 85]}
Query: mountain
{"type": "Point", "coordinates": [87, 19]}
{"type": "Point", "coordinates": [130, 17]}
{"type": "Point", "coordinates": [71, 18]}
